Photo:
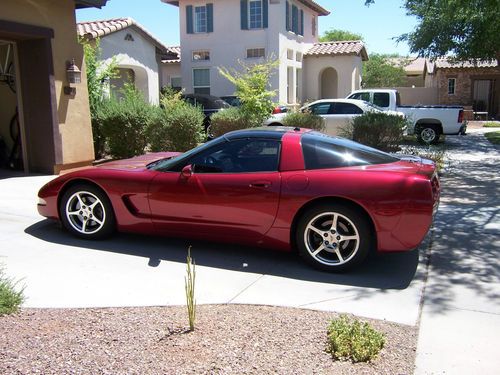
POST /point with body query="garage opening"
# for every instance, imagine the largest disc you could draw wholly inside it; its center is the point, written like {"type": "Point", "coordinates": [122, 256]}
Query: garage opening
{"type": "Point", "coordinates": [28, 105]}
{"type": "Point", "coordinates": [11, 155]}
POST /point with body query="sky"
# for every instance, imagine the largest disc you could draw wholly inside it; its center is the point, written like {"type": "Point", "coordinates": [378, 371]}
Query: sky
{"type": "Point", "coordinates": [378, 23]}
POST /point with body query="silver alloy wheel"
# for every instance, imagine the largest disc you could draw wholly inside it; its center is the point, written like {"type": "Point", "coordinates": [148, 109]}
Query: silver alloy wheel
{"type": "Point", "coordinates": [428, 135]}
{"type": "Point", "coordinates": [85, 212]}
{"type": "Point", "coordinates": [331, 238]}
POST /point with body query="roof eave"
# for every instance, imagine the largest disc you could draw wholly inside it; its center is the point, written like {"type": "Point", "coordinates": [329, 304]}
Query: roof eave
{"type": "Point", "coordinates": [80, 4]}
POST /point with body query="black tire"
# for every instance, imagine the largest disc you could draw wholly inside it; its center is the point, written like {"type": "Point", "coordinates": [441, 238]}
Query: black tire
{"type": "Point", "coordinates": [428, 134]}
{"type": "Point", "coordinates": [86, 212]}
{"type": "Point", "coordinates": [275, 124]}
{"type": "Point", "coordinates": [336, 253]}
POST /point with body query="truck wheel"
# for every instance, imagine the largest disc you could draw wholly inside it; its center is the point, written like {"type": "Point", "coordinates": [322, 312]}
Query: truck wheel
{"type": "Point", "coordinates": [428, 134]}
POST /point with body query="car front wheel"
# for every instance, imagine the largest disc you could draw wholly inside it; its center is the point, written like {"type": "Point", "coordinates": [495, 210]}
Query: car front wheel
{"type": "Point", "coordinates": [85, 212]}
{"type": "Point", "coordinates": [333, 237]}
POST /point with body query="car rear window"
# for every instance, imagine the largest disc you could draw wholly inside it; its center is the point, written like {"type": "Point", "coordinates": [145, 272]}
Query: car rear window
{"type": "Point", "coordinates": [322, 152]}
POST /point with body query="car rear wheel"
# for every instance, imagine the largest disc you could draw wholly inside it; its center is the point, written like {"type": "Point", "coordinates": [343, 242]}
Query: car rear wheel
{"type": "Point", "coordinates": [86, 212]}
{"type": "Point", "coordinates": [428, 134]}
{"type": "Point", "coordinates": [333, 237]}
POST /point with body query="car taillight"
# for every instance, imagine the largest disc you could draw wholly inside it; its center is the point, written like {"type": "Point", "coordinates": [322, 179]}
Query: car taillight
{"type": "Point", "coordinates": [277, 110]}
{"type": "Point", "coordinates": [461, 115]}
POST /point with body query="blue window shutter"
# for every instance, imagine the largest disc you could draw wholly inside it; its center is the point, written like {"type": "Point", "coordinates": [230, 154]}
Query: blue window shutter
{"type": "Point", "coordinates": [210, 18]}
{"type": "Point", "coordinates": [287, 16]}
{"type": "Point", "coordinates": [244, 14]}
{"type": "Point", "coordinates": [265, 13]}
{"type": "Point", "coordinates": [295, 19]}
{"type": "Point", "coordinates": [301, 32]}
{"type": "Point", "coordinates": [189, 19]}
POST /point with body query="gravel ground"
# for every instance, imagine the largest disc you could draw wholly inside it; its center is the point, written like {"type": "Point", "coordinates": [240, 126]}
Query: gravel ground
{"type": "Point", "coordinates": [229, 339]}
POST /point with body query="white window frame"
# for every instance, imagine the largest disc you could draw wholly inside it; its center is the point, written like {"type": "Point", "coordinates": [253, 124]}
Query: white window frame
{"type": "Point", "coordinates": [255, 49]}
{"type": "Point", "coordinates": [290, 54]}
{"type": "Point", "coordinates": [261, 15]}
{"type": "Point", "coordinates": [201, 87]}
{"type": "Point", "coordinates": [197, 28]}
{"type": "Point", "coordinates": [299, 56]}
{"type": "Point", "coordinates": [200, 52]}
{"type": "Point", "coordinates": [454, 80]}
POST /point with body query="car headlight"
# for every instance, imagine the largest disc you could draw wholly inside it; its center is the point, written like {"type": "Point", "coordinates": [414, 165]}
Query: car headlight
{"type": "Point", "coordinates": [42, 202]}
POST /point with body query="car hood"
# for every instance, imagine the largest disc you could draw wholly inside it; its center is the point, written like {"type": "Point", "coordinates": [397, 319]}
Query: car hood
{"type": "Point", "coordinates": [138, 162]}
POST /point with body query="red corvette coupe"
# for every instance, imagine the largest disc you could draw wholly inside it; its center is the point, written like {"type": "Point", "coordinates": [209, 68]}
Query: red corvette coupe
{"type": "Point", "coordinates": [331, 199]}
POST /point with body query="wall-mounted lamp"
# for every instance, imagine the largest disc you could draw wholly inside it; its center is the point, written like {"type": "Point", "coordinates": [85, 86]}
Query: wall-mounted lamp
{"type": "Point", "coordinates": [74, 75]}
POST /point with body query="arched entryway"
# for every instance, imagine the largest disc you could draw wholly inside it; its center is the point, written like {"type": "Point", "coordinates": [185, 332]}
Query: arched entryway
{"type": "Point", "coordinates": [328, 83]}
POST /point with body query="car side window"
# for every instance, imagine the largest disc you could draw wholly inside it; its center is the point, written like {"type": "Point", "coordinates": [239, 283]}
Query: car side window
{"type": "Point", "coordinates": [239, 156]}
{"type": "Point", "coordinates": [381, 99]}
{"type": "Point", "coordinates": [361, 96]}
{"type": "Point", "coordinates": [320, 108]}
{"type": "Point", "coordinates": [346, 109]}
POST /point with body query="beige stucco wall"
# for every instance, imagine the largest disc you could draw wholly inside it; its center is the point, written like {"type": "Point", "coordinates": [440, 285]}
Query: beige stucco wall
{"type": "Point", "coordinates": [167, 71]}
{"type": "Point", "coordinates": [348, 74]}
{"type": "Point", "coordinates": [73, 137]}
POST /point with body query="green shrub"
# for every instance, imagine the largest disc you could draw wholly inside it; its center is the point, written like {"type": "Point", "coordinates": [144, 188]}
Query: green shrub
{"type": "Point", "coordinates": [377, 129]}
{"type": "Point", "coordinates": [180, 129]}
{"type": "Point", "coordinates": [304, 120]}
{"type": "Point", "coordinates": [493, 137]}
{"type": "Point", "coordinates": [10, 298]}
{"type": "Point", "coordinates": [230, 119]}
{"type": "Point", "coordinates": [124, 122]}
{"type": "Point", "coordinates": [353, 340]}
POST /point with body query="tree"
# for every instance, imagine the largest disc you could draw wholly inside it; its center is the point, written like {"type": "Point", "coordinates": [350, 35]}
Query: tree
{"type": "Point", "coordinates": [336, 35]}
{"type": "Point", "coordinates": [380, 72]}
{"type": "Point", "coordinates": [97, 74]}
{"type": "Point", "coordinates": [252, 88]}
{"type": "Point", "coordinates": [466, 28]}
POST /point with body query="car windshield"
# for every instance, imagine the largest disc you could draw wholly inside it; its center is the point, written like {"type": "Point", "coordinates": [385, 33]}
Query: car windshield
{"type": "Point", "coordinates": [165, 164]}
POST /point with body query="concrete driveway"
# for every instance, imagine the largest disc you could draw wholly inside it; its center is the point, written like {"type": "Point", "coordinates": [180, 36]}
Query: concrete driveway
{"type": "Point", "coordinates": [132, 270]}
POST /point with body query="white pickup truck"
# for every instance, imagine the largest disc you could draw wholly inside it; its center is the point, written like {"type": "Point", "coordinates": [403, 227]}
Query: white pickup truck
{"type": "Point", "coordinates": [428, 122]}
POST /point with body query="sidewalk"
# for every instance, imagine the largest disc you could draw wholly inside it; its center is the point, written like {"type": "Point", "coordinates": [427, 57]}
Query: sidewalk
{"type": "Point", "coordinates": [460, 319]}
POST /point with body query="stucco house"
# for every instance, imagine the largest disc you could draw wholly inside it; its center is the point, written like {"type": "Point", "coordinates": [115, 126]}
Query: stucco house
{"type": "Point", "coordinates": [41, 93]}
{"type": "Point", "coordinates": [137, 53]}
{"type": "Point", "coordinates": [219, 34]}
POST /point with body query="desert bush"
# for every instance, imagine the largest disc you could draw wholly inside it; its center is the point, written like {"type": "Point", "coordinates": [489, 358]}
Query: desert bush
{"type": "Point", "coordinates": [181, 126]}
{"type": "Point", "coordinates": [304, 120]}
{"type": "Point", "coordinates": [124, 122]}
{"type": "Point", "coordinates": [230, 119]}
{"type": "Point", "coordinates": [435, 153]}
{"type": "Point", "coordinates": [352, 340]}
{"type": "Point", "coordinates": [11, 296]}
{"type": "Point", "coordinates": [377, 129]}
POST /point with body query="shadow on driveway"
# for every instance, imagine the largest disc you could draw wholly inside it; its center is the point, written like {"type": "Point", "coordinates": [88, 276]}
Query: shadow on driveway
{"type": "Point", "coordinates": [384, 272]}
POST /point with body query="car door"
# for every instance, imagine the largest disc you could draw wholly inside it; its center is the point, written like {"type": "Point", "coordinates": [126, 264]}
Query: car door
{"type": "Point", "coordinates": [341, 116]}
{"type": "Point", "coordinates": [232, 191]}
{"type": "Point", "coordinates": [324, 110]}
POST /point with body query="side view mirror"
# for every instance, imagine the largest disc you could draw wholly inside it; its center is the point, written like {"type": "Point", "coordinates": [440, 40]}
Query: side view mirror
{"type": "Point", "coordinates": [187, 171]}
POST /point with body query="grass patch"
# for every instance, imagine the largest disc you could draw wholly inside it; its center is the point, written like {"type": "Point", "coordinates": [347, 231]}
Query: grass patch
{"type": "Point", "coordinates": [352, 340]}
{"type": "Point", "coordinates": [493, 137]}
{"type": "Point", "coordinates": [10, 298]}
{"type": "Point", "coordinates": [491, 124]}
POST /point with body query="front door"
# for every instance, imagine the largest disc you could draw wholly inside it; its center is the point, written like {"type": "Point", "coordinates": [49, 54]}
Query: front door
{"type": "Point", "coordinates": [233, 192]}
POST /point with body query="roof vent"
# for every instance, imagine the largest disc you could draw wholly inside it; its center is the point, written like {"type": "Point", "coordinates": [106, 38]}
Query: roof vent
{"type": "Point", "coordinates": [129, 37]}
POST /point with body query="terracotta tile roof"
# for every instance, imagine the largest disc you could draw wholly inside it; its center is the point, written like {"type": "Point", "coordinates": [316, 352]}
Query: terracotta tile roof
{"type": "Point", "coordinates": [173, 55]}
{"type": "Point", "coordinates": [309, 3]}
{"type": "Point", "coordinates": [411, 64]}
{"type": "Point", "coordinates": [98, 29]}
{"type": "Point", "coordinates": [350, 47]}
{"type": "Point", "coordinates": [446, 63]}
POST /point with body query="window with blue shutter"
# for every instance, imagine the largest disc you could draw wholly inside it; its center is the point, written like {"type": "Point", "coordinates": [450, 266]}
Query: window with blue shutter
{"type": "Point", "coordinates": [189, 19]}
{"type": "Point", "coordinates": [301, 28]}
{"type": "Point", "coordinates": [265, 11]}
{"type": "Point", "coordinates": [287, 21]}
{"type": "Point", "coordinates": [210, 18]}
{"type": "Point", "coordinates": [244, 14]}
{"type": "Point", "coordinates": [295, 19]}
